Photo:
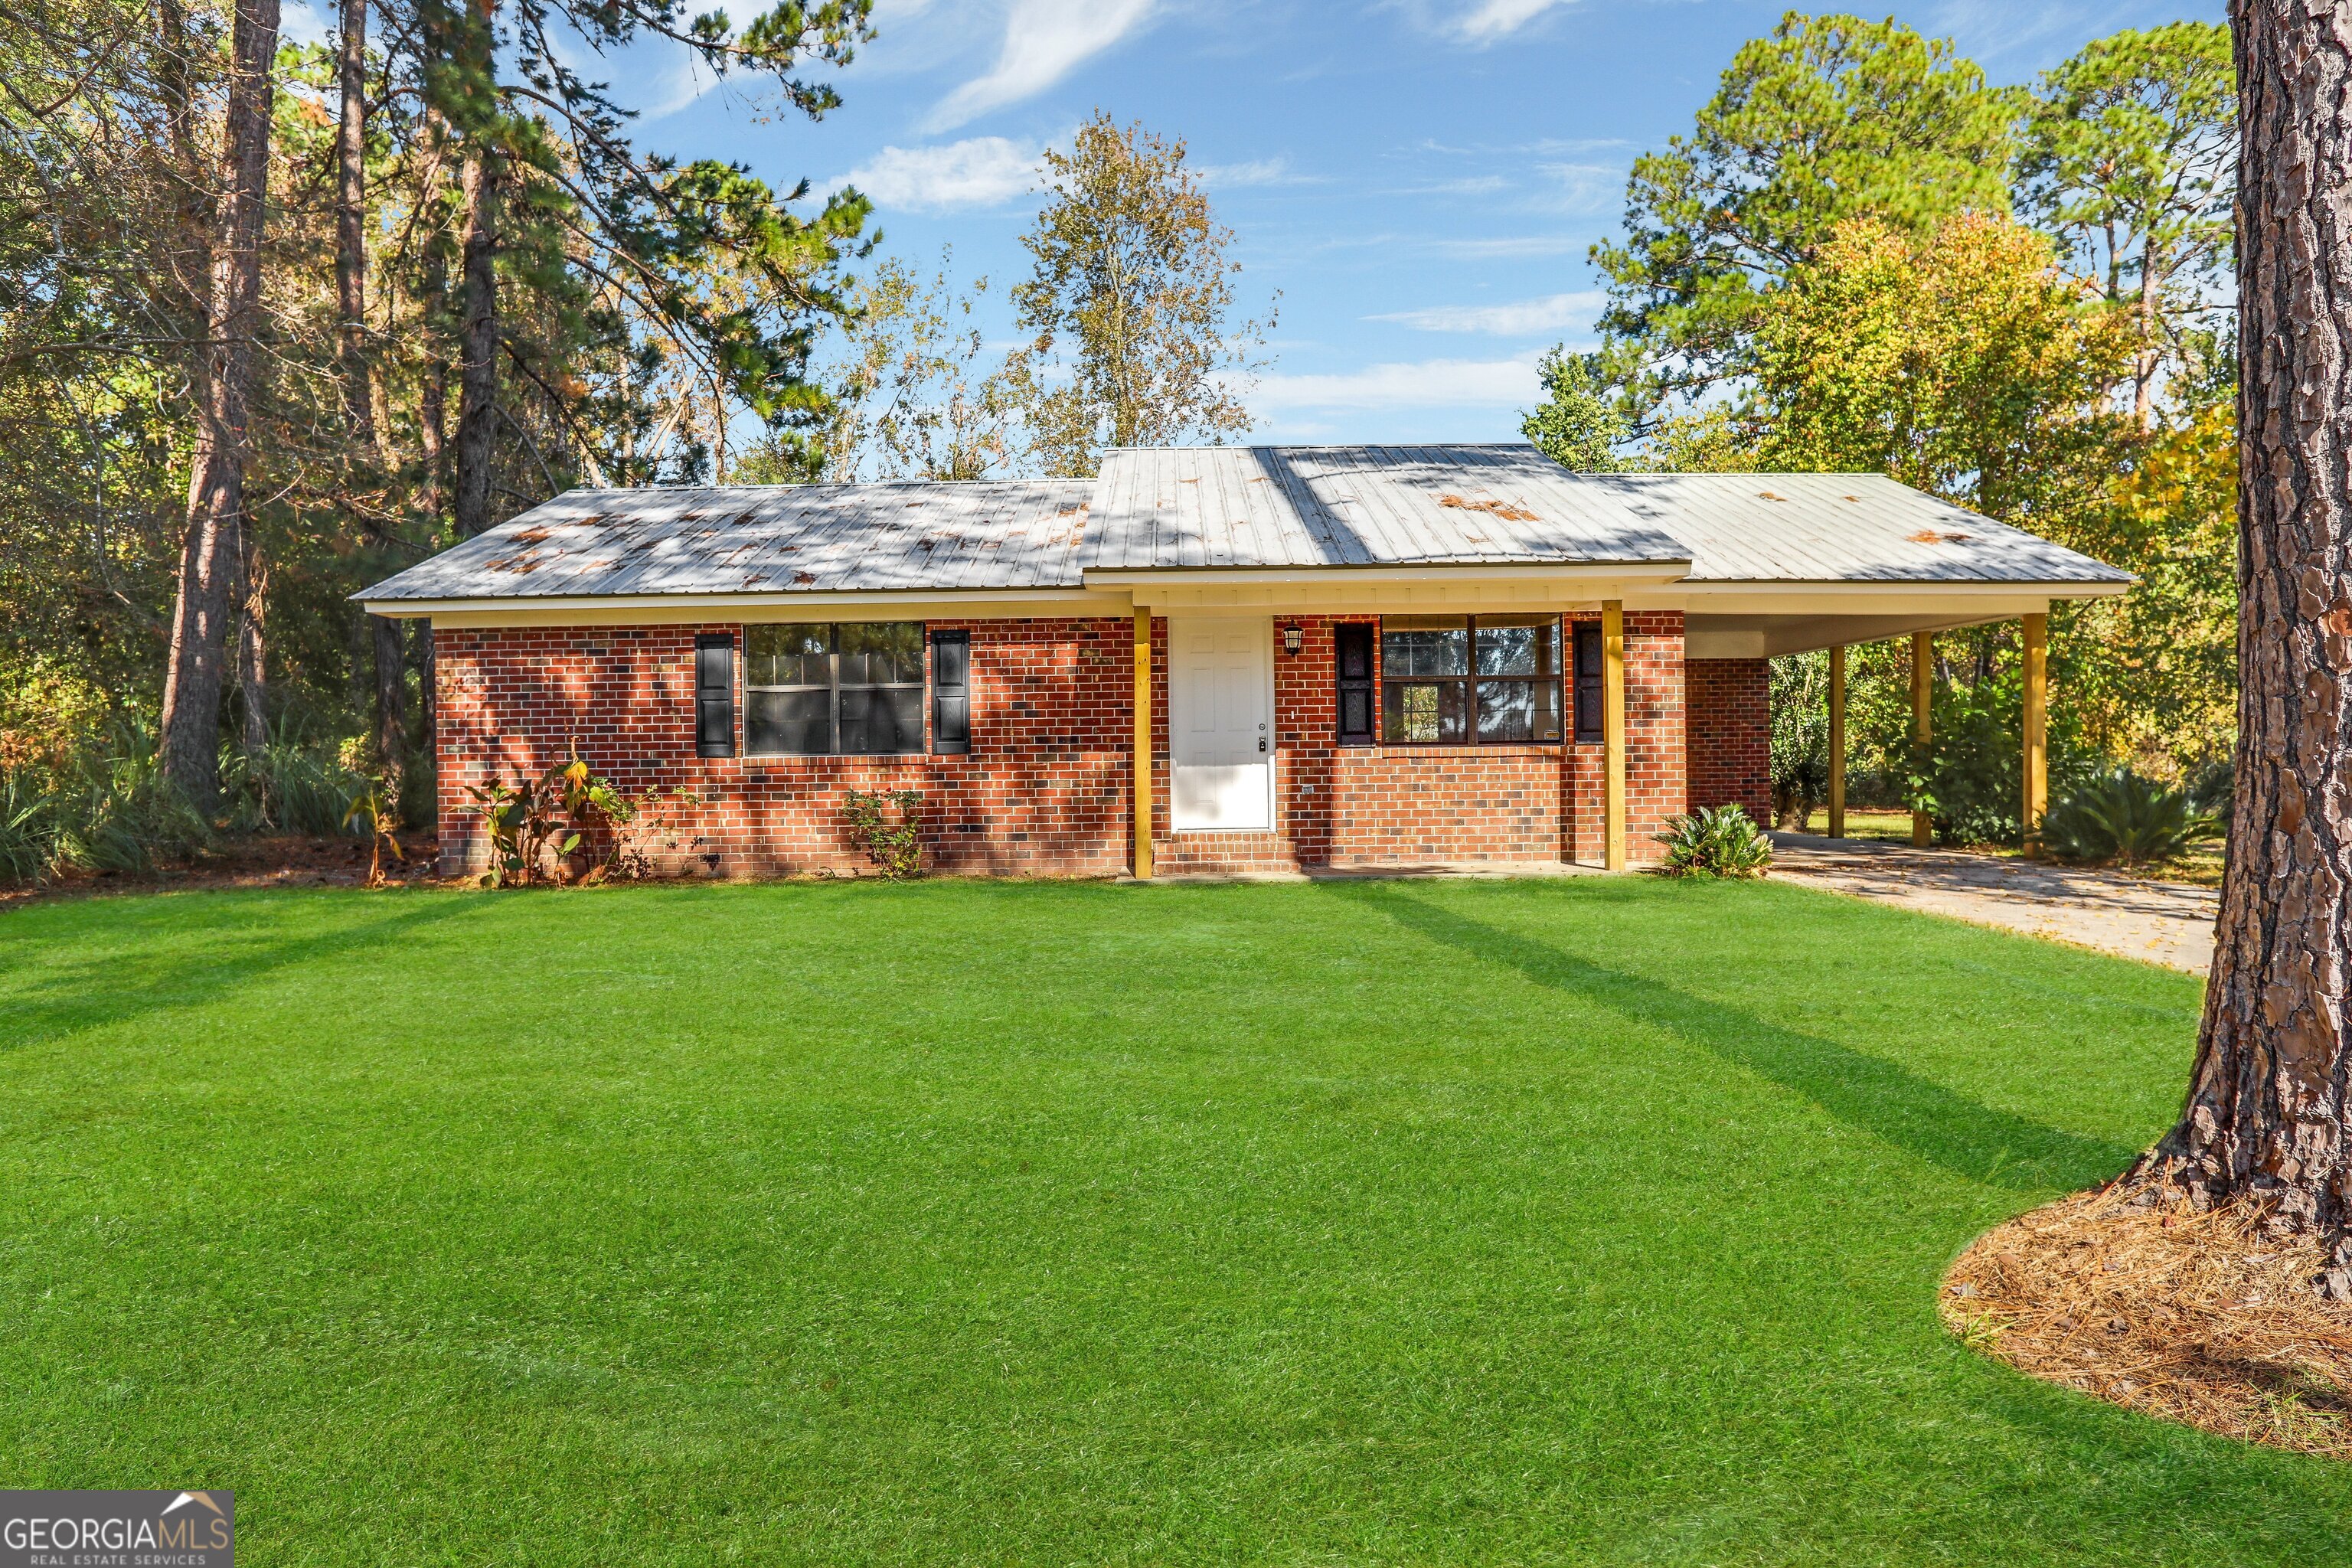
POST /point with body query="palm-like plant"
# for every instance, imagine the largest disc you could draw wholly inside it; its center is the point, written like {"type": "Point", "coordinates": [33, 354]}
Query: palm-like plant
{"type": "Point", "coordinates": [1716, 841]}
{"type": "Point", "coordinates": [369, 813]}
{"type": "Point", "coordinates": [2127, 816]}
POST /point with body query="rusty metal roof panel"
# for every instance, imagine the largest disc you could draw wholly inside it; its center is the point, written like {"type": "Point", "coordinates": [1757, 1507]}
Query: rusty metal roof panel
{"type": "Point", "coordinates": [744, 539]}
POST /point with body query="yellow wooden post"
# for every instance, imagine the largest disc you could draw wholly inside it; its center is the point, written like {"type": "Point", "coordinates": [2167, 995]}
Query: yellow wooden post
{"type": "Point", "coordinates": [1837, 742]}
{"type": "Point", "coordinates": [1142, 744]}
{"type": "Point", "coordinates": [1923, 676]}
{"type": "Point", "coordinates": [1613, 733]}
{"type": "Point", "coordinates": [2037, 727]}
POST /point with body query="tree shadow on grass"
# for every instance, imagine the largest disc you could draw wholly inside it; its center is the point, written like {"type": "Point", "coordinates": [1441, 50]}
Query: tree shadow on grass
{"type": "Point", "coordinates": [1883, 1099]}
{"type": "Point", "coordinates": [73, 997]}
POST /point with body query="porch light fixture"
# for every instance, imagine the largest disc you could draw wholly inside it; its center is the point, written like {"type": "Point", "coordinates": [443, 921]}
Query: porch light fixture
{"type": "Point", "coordinates": [1293, 640]}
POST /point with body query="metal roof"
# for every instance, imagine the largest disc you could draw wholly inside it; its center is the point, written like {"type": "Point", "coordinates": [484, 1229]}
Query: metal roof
{"type": "Point", "coordinates": [766, 538]}
{"type": "Point", "coordinates": [1164, 508]}
{"type": "Point", "coordinates": [1170, 508]}
{"type": "Point", "coordinates": [1839, 527]}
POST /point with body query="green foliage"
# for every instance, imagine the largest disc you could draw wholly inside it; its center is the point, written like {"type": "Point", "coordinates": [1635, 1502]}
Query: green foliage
{"type": "Point", "coordinates": [1829, 118]}
{"type": "Point", "coordinates": [1714, 841]}
{"type": "Point", "coordinates": [1582, 420]}
{"type": "Point", "coordinates": [1799, 703]}
{"type": "Point", "coordinates": [1126, 305]}
{"type": "Point", "coordinates": [295, 783]}
{"type": "Point", "coordinates": [896, 847]}
{"type": "Point", "coordinates": [2121, 816]}
{"type": "Point", "coordinates": [2130, 158]}
{"type": "Point", "coordinates": [371, 815]}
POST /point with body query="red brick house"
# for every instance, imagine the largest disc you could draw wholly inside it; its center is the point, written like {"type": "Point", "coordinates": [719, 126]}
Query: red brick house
{"type": "Point", "coordinates": [1315, 656]}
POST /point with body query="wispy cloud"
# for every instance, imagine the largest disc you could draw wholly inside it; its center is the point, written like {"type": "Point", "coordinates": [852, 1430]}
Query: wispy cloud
{"type": "Point", "coordinates": [979, 172]}
{"type": "Point", "coordinates": [1421, 383]}
{"type": "Point", "coordinates": [679, 87]}
{"type": "Point", "coordinates": [1511, 245]}
{"type": "Point", "coordinates": [1256, 172]}
{"type": "Point", "coordinates": [1489, 20]}
{"type": "Point", "coordinates": [300, 24]}
{"type": "Point", "coordinates": [1043, 41]}
{"type": "Point", "coordinates": [1551, 313]}
{"type": "Point", "coordinates": [1581, 188]}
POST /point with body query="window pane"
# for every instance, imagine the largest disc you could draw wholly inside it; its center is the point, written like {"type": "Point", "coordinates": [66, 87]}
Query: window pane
{"type": "Point", "coordinates": [879, 653]}
{"type": "Point", "coordinates": [1519, 645]}
{"type": "Point", "coordinates": [882, 718]}
{"type": "Point", "coordinates": [1424, 645]}
{"type": "Point", "coordinates": [789, 655]}
{"type": "Point", "coordinates": [1517, 712]}
{"type": "Point", "coordinates": [795, 723]}
{"type": "Point", "coordinates": [1422, 713]}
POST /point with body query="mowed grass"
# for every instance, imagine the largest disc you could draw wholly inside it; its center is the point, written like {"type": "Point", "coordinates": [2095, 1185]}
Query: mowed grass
{"type": "Point", "coordinates": [1595, 1221]}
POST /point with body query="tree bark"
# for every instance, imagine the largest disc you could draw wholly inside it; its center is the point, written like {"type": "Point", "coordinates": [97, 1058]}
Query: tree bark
{"type": "Point", "coordinates": [252, 645]}
{"type": "Point", "coordinates": [2266, 1112]}
{"type": "Point", "coordinates": [190, 750]}
{"type": "Point", "coordinates": [477, 365]}
{"type": "Point", "coordinates": [391, 697]}
{"type": "Point", "coordinates": [351, 234]}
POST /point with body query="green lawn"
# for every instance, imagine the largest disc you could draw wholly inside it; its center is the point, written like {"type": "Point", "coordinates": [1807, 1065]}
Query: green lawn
{"type": "Point", "coordinates": [1589, 1221]}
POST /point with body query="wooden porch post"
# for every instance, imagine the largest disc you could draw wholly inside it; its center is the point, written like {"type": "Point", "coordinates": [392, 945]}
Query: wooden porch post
{"type": "Point", "coordinates": [1837, 741]}
{"type": "Point", "coordinates": [1142, 743]}
{"type": "Point", "coordinates": [2037, 727]}
{"type": "Point", "coordinates": [1612, 732]}
{"type": "Point", "coordinates": [1923, 676]}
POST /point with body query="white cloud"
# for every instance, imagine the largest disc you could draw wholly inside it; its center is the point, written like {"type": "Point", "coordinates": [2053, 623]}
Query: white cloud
{"type": "Point", "coordinates": [1514, 245]}
{"type": "Point", "coordinates": [300, 24]}
{"type": "Point", "coordinates": [676, 88]}
{"type": "Point", "coordinates": [1425, 383]}
{"type": "Point", "coordinates": [1256, 172]}
{"type": "Point", "coordinates": [1045, 40]}
{"type": "Point", "coordinates": [979, 172]}
{"type": "Point", "coordinates": [1583, 188]}
{"type": "Point", "coordinates": [1551, 313]}
{"type": "Point", "coordinates": [1493, 19]}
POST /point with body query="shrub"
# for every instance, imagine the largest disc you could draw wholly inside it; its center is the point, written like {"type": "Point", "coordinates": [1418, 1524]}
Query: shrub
{"type": "Point", "coordinates": [1716, 841]}
{"type": "Point", "coordinates": [897, 848]}
{"type": "Point", "coordinates": [2123, 815]}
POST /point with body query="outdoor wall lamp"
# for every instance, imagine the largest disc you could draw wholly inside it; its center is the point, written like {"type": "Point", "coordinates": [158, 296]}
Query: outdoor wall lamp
{"type": "Point", "coordinates": [1293, 640]}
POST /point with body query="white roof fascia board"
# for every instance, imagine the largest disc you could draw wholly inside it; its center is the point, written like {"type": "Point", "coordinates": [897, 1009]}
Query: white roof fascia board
{"type": "Point", "coordinates": [657, 609]}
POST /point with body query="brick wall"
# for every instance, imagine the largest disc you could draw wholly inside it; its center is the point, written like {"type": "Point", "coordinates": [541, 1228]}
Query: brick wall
{"type": "Point", "coordinates": [1730, 741]}
{"type": "Point", "coordinates": [1655, 760]}
{"type": "Point", "coordinates": [1044, 791]}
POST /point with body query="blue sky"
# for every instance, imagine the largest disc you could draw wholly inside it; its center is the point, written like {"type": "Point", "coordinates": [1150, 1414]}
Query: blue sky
{"type": "Point", "coordinates": [1420, 179]}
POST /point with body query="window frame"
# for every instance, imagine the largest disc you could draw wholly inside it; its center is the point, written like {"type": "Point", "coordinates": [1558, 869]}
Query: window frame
{"type": "Point", "coordinates": [834, 686]}
{"type": "Point", "coordinates": [1469, 682]}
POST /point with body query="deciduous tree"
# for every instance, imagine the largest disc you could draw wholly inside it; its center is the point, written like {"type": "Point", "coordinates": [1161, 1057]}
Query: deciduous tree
{"type": "Point", "coordinates": [1127, 306]}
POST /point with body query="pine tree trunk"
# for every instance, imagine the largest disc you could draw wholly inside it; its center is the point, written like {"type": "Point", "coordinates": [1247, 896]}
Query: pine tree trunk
{"type": "Point", "coordinates": [351, 234]}
{"type": "Point", "coordinates": [252, 647]}
{"type": "Point", "coordinates": [192, 681]}
{"type": "Point", "coordinates": [2266, 1113]}
{"type": "Point", "coordinates": [477, 345]}
{"type": "Point", "coordinates": [391, 698]}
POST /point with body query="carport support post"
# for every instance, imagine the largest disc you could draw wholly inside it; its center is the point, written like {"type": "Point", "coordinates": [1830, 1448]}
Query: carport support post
{"type": "Point", "coordinates": [2037, 727]}
{"type": "Point", "coordinates": [1142, 743]}
{"type": "Point", "coordinates": [1613, 733]}
{"type": "Point", "coordinates": [1837, 741]}
{"type": "Point", "coordinates": [1923, 676]}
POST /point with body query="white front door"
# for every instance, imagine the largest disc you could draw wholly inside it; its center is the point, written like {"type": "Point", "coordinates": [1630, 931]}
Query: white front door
{"type": "Point", "coordinates": [1221, 724]}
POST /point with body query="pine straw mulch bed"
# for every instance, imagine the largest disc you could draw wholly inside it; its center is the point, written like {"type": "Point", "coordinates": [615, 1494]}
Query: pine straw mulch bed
{"type": "Point", "coordinates": [276, 862]}
{"type": "Point", "coordinates": [2200, 1318]}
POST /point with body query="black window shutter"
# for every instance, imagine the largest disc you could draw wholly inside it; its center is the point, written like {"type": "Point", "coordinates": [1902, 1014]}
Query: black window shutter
{"type": "Point", "coordinates": [714, 695]}
{"type": "Point", "coordinates": [951, 694]}
{"type": "Point", "coordinates": [1588, 679]}
{"type": "Point", "coordinates": [1352, 650]}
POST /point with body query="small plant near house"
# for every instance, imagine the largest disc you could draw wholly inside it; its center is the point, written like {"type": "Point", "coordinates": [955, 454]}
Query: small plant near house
{"type": "Point", "coordinates": [369, 813]}
{"type": "Point", "coordinates": [647, 825]}
{"type": "Point", "coordinates": [521, 822]}
{"type": "Point", "coordinates": [1714, 841]}
{"type": "Point", "coordinates": [896, 847]}
{"type": "Point", "coordinates": [2125, 816]}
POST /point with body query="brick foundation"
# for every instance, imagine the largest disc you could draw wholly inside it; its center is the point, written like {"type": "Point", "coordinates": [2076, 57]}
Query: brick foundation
{"type": "Point", "coordinates": [1046, 789]}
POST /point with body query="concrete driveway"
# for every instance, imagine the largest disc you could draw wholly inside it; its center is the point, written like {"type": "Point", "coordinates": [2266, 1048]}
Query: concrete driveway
{"type": "Point", "coordinates": [2159, 923]}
